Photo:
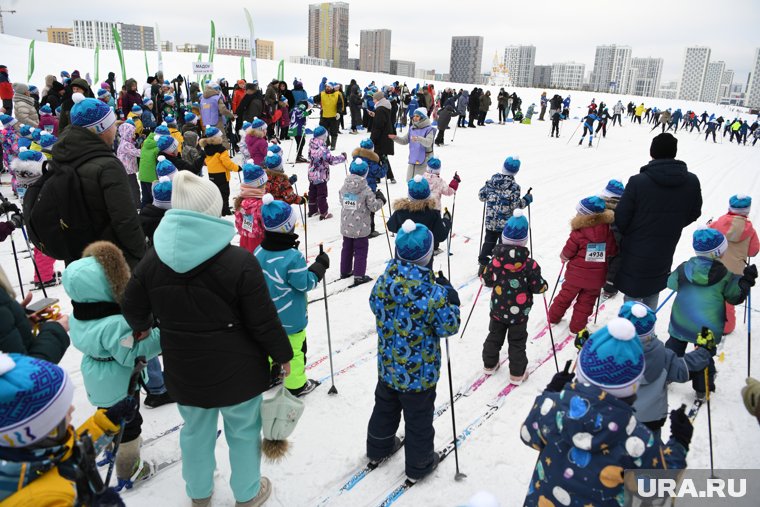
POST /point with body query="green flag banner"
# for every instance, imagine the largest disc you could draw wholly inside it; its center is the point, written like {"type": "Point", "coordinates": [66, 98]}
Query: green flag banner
{"type": "Point", "coordinates": [97, 63]}
{"type": "Point", "coordinates": [281, 71]}
{"type": "Point", "coordinates": [197, 76]}
{"type": "Point", "coordinates": [242, 67]}
{"type": "Point", "coordinates": [30, 66]}
{"type": "Point", "coordinates": [117, 41]}
{"type": "Point", "coordinates": [211, 48]}
{"type": "Point", "coordinates": [160, 58]}
{"type": "Point", "coordinates": [147, 72]}
{"type": "Point", "coordinates": [254, 74]}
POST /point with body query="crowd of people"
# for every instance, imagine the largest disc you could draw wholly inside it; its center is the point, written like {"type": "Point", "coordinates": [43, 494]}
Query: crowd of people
{"type": "Point", "coordinates": [130, 189]}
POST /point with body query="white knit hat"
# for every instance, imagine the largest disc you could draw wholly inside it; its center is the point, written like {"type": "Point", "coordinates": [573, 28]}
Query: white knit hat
{"type": "Point", "coordinates": [193, 193]}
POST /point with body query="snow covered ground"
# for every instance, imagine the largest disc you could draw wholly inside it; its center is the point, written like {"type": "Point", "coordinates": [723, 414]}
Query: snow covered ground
{"type": "Point", "coordinates": [329, 442]}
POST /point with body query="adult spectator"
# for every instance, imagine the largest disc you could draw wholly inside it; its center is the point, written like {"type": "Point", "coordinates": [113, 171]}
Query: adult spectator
{"type": "Point", "coordinates": [474, 107]}
{"type": "Point", "coordinates": [355, 105]}
{"type": "Point", "coordinates": [6, 90]}
{"type": "Point", "coordinates": [462, 102]}
{"type": "Point", "coordinates": [485, 105]}
{"type": "Point", "coordinates": [655, 207]}
{"type": "Point", "coordinates": [23, 103]}
{"type": "Point", "coordinates": [251, 105]}
{"type": "Point", "coordinates": [131, 97]}
{"type": "Point", "coordinates": [50, 342]}
{"type": "Point", "coordinates": [382, 128]}
{"type": "Point", "coordinates": [214, 110]}
{"type": "Point", "coordinates": [111, 83]}
{"type": "Point", "coordinates": [331, 103]}
{"type": "Point", "coordinates": [77, 85]}
{"type": "Point", "coordinates": [54, 95]}
{"type": "Point", "coordinates": [216, 355]}
{"type": "Point", "coordinates": [284, 91]}
{"type": "Point", "coordinates": [501, 103]}
{"type": "Point", "coordinates": [87, 146]}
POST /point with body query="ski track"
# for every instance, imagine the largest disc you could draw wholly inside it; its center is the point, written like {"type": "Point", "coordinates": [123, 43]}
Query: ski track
{"type": "Point", "coordinates": [329, 442]}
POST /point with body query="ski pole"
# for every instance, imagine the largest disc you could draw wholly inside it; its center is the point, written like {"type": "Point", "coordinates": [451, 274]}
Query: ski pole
{"type": "Point", "coordinates": [596, 314]}
{"type": "Point", "coordinates": [451, 231]}
{"type": "Point", "coordinates": [530, 222]}
{"type": "Point", "coordinates": [459, 475]}
{"type": "Point", "coordinates": [666, 300]}
{"type": "Point", "coordinates": [709, 420]}
{"type": "Point", "coordinates": [387, 189]}
{"type": "Point", "coordinates": [455, 131]}
{"type": "Point", "coordinates": [300, 211]}
{"type": "Point", "coordinates": [573, 134]}
{"type": "Point", "coordinates": [305, 233]}
{"type": "Point", "coordinates": [556, 284]}
{"type": "Point", "coordinates": [133, 389]}
{"type": "Point", "coordinates": [746, 302]}
{"type": "Point", "coordinates": [551, 334]}
{"type": "Point", "coordinates": [387, 235]}
{"type": "Point", "coordinates": [332, 390]}
{"type": "Point", "coordinates": [18, 269]}
{"type": "Point", "coordinates": [34, 263]}
{"type": "Point", "coordinates": [471, 310]}
{"type": "Point", "coordinates": [290, 148]}
{"type": "Point", "coordinates": [482, 224]}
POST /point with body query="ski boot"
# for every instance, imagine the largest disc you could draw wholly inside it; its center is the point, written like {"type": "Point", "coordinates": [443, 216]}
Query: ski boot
{"type": "Point", "coordinates": [359, 280]}
{"type": "Point", "coordinates": [305, 389]}
{"type": "Point", "coordinates": [518, 379]}
{"type": "Point", "coordinates": [581, 338]}
{"type": "Point", "coordinates": [490, 371]}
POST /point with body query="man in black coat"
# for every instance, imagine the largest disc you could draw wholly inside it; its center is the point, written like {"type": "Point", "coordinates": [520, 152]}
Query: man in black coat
{"type": "Point", "coordinates": [657, 204]}
{"type": "Point", "coordinates": [251, 106]}
{"type": "Point", "coordinates": [382, 127]}
{"type": "Point", "coordinates": [473, 105]}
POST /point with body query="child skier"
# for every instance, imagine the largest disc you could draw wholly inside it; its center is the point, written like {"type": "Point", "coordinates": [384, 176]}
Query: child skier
{"type": "Point", "coordinates": [48, 122]}
{"type": "Point", "coordinates": [288, 280]}
{"type": "Point", "coordinates": [704, 285]}
{"type": "Point", "coordinates": [588, 126]}
{"type": "Point", "coordinates": [256, 141]}
{"type": "Point", "coordinates": [501, 195]}
{"type": "Point", "coordinates": [171, 123]}
{"type": "Point", "coordinates": [135, 115]}
{"type": "Point", "coordinates": [357, 203]}
{"type": "Point", "coordinates": [278, 184]}
{"type": "Point", "coordinates": [284, 120]}
{"type": "Point", "coordinates": [320, 160]}
{"type": "Point", "coordinates": [9, 136]}
{"type": "Point", "coordinates": [219, 164]}
{"type": "Point", "coordinates": [438, 187]}
{"type": "Point", "coordinates": [556, 117]}
{"type": "Point", "coordinates": [419, 207]}
{"type": "Point", "coordinates": [147, 117]}
{"type": "Point", "coordinates": [662, 366]}
{"type": "Point", "coordinates": [167, 146]}
{"type": "Point", "coordinates": [376, 171]}
{"type": "Point", "coordinates": [191, 125]}
{"type": "Point", "coordinates": [151, 215]}
{"type": "Point", "coordinates": [191, 154]}
{"type": "Point", "coordinates": [413, 311]}
{"type": "Point", "coordinates": [611, 195]}
{"type": "Point", "coordinates": [37, 397]}
{"type": "Point", "coordinates": [586, 431]}
{"type": "Point", "coordinates": [241, 145]}
{"type": "Point", "coordinates": [298, 126]}
{"type": "Point", "coordinates": [586, 253]}
{"type": "Point", "coordinates": [127, 152]}
{"type": "Point", "coordinates": [95, 283]}
{"type": "Point", "coordinates": [515, 277]}
{"type": "Point", "coordinates": [248, 206]}
{"type": "Point", "coordinates": [742, 243]}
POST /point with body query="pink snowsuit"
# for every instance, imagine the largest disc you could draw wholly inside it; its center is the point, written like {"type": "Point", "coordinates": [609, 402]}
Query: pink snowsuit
{"type": "Point", "coordinates": [249, 223]}
{"type": "Point", "coordinates": [438, 187]}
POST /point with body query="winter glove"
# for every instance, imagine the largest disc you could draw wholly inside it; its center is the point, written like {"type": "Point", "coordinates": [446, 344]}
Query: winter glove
{"type": "Point", "coordinates": [305, 197]}
{"type": "Point", "coordinates": [344, 155]}
{"type": "Point", "coordinates": [318, 269]}
{"type": "Point", "coordinates": [748, 278]}
{"type": "Point", "coordinates": [751, 396]}
{"type": "Point", "coordinates": [17, 220]}
{"type": "Point", "coordinates": [323, 259]}
{"type": "Point", "coordinates": [455, 182]}
{"type": "Point", "coordinates": [6, 228]}
{"type": "Point", "coordinates": [561, 378]}
{"type": "Point", "coordinates": [453, 295]}
{"type": "Point", "coordinates": [293, 179]}
{"type": "Point", "coordinates": [379, 195]}
{"type": "Point", "coordinates": [528, 198]}
{"type": "Point", "coordinates": [8, 207]}
{"type": "Point", "coordinates": [681, 428]}
{"type": "Point", "coordinates": [446, 214]}
{"type": "Point", "coordinates": [706, 340]}
{"type": "Point", "coordinates": [125, 410]}
{"type": "Point", "coordinates": [581, 338]}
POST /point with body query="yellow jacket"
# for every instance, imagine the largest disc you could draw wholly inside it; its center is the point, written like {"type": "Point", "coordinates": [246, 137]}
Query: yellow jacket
{"type": "Point", "coordinates": [640, 110]}
{"type": "Point", "coordinates": [51, 489]}
{"type": "Point", "coordinates": [329, 103]}
{"type": "Point", "coordinates": [220, 161]}
{"type": "Point", "coordinates": [136, 119]}
{"type": "Point", "coordinates": [178, 136]}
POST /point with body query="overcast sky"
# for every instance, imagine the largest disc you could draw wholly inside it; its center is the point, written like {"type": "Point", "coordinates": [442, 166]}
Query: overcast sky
{"type": "Point", "coordinates": [561, 30]}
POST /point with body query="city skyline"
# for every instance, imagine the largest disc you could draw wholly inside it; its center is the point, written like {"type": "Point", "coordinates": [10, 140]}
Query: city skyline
{"type": "Point", "coordinates": [562, 43]}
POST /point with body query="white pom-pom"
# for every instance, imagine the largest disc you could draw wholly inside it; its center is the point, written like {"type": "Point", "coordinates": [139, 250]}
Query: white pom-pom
{"type": "Point", "coordinates": [357, 160]}
{"type": "Point", "coordinates": [518, 213]}
{"type": "Point", "coordinates": [621, 329]}
{"type": "Point", "coordinates": [164, 124]}
{"type": "Point", "coordinates": [270, 154]}
{"type": "Point", "coordinates": [164, 179]}
{"type": "Point", "coordinates": [77, 98]}
{"type": "Point", "coordinates": [702, 227]}
{"type": "Point", "coordinates": [741, 196]}
{"type": "Point", "coordinates": [267, 199]}
{"type": "Point", "coordinates": [417, 178]}
{"type": "Point", "coordinates": [22, 149]}
{"type": "Point", "coordinates": [161, 158]}
{"type": "Point", "coordinates": [638, 310]}
{"type": "Point", "coordinates": [6, 364]}
{"type": "Point", "coordinates": [250, 161]}
{"type": "Point", "coordinates": [516, 157]}
{"type": "Point", "coordinates": [409, 226]}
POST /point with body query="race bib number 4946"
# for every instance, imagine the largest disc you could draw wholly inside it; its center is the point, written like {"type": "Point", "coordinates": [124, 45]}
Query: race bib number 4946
{"type": "Point", "coordinates": [350, 201]}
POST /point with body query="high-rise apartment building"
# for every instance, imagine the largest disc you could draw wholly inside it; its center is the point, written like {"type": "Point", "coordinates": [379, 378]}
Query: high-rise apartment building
{"type": "Point", "coordinates": [711, 85]}
{"type": "Point", "coordinates": [612, 64]}
{"type": "Point", "coordinates": [191, 48]}
{"type": "Point", "coordinates": [520, 61]}
{"type": "Point", "coordinates": [568, 75]}
{"type": "Point", "coordinates": [402, 68]}
{"type": "Point", "coordinates": [328, 32]}
{"type": "Point", "coordinates": [725, 84]}
{"type": "Point", "coordinates": [233, 45]}
{"type": "Point", "coordinates": [752, 98]}
{"type": "Point", "coordinates": [137, 37]}
{"type": "Point", "coordinates": [60, 35]}
{"type": "Point", "coordinates": [542, 76]}
{"type": "Point", "coordinates": [465, 60]}
{"type": "Point", "coordinates": [695, 63]}
{"type": "Point", "coordinates": [167, 46]}
{"type": "Point", "coordinates": [646, 76]}
{"type": "Point", "coordinates": [375, 50]}
{"type": "Point", "coordinates": [264, 49]}
{"type": "Point", "coordinates": [89, 33]}
{"type": "Point", "coordinates": [310, 60]}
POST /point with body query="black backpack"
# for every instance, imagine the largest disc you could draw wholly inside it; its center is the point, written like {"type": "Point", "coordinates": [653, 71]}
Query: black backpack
{"type": "Point", "coordinates": [56, 215]}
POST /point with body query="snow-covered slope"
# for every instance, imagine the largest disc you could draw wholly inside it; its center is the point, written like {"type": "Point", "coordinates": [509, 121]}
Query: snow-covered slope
{"type": "Point", "coordinates": [330, 440]}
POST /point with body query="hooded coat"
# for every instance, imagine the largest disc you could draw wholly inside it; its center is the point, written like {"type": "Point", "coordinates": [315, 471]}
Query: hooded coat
{"type": "Point", "coordinates": [218, 157]}
{"type": "Point", "coordinates": [279, 186]}
{"type": "Point", "coordinates": [420, 212]}
{"type": "Point", "coordinates": [320, 160]}
{"type": "Point", "coordinates": [742, 240]}
{"type": "Point", "coordinates": [462, 102]}
{"type": "Point", "coordinates": [50, 343]}
{"type": "Point", "coordinates": [438, 187]}
{"type": "Point", "coordinates": [655, 207]}
{"type": "Point", "coordinates": [105, 189]}
{"type": "Point", "coordinates": [514, 277]}
{"type": "Point", "coordinates": [23, 106]}
{"type": "Point", "coordinates": [127, 152]}
{"type": "Point", "coordinates": [217, 321]}
{"type": "Point", "coordinates": [376, 171]}
{"type": "Point", "coordinates": [357, 202]}
{"type": "Point", "coordinates": [445, 114]}
{"type": "Point", "coordinates": [382, 125]}
{"type": "Point", "coordinates": [102, 335]}
{"type": "Point", "coordinates": [148, 160]}
{"type": "Point", "coordinates": [586, 438]}
{"type": "Point", "coordinates": [583, 270]}
{"type": "Point", "coordinates": [703, 287]}
{"type": "Point", "coordinates": [501, 194]}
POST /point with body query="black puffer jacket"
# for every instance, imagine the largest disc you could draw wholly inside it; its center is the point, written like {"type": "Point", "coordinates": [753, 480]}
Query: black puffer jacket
{"type": "Point", "coordinates": [150, 217]}
{"type": "Point", "coordinates": [420, 212]}
{"type": "Point", "coordinates": [382, 125]}
{"type": "Point", "coordinates": [218, 323]}
{"type": "Point", "coordinates": [16, 333]}
{"type": "Point", "coordinates": [655, 207]}
{"type": "Point", "coordinates": [105, 188]}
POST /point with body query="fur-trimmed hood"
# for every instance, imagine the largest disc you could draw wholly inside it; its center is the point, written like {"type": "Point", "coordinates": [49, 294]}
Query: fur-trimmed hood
{"type": "Point", "coordinates": [101, 275]}
{"type": "Point", "coordinates": [209, 92]}
{"type": "Point", "coordinates": [365, 154]}
{"type": "Point", "coordinates": [410, 205]}
{"type": "Point", "coordinates": [583, 221]}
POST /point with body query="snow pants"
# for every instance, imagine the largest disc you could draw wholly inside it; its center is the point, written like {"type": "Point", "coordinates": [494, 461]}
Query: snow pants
{"type": "Point", "coordinates": [220, 180]}
{"type": "Point", "coordinates": [697, 377]}
{"type": "Point", "coordinates": [418, 411]}
{"type": "Point", "coordinates": [585, 299]}
{"type": "Point", "coordinates": [45, 266]}
{"type": "Point", "coordinates": [197, 440]}
{"type": "Point", "coordinates": [297, 377]}
{"type": "Point", "coordinates": [517, 338]}
{"type": "Point", "coordinates": [616, 117]}
{"type": "Point", "coordinates": [543, 112]}
{"type": "Point", "coordinates": [730, 324]}
{"type": "Point", "coordinates": [318, 198]}
{"type": "Point", "coordinates": [555, 129]}
{"type": "Point", "coordinates": [146, 188]}
{"type": "Point", "coordinates": [489, 241]}
{"type": "Point", "coordinates": [354, 254]}
{"type": "Point", "coordinates": [155, 384]}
